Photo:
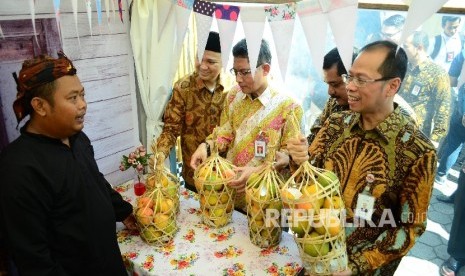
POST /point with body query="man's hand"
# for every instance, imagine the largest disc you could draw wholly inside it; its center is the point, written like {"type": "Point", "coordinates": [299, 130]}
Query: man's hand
{"type": "Point", "coordinates": [244, 173]}
{"type": "Point", "coordinates": [282, 160]}
{"type": "Point", "coordinates": [298, 149]}
{"type": "Point", "coordinates": [199, 156]}
{"type": "Point", "coordinates": [160, 159]}
{"type": "Point", "coordinates": [130, 223]}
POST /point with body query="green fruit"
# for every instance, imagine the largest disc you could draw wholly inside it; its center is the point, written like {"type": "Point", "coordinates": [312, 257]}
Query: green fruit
{"type": "Point", "coordinates": [150, 233]}
{"type": "Point", "coordinates": [316, 250]}
{"type": "Point", "coordinates": [326, 178]}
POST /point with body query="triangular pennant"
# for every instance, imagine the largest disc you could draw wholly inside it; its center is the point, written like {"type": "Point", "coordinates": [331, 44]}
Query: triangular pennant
{"type": "Point", "coordinates": [56, 7]}
{"type": "Point", "coordinates": [203, 12]}
{"type": "Point", "coordinates": [281, 19]}
{"type": "Point", "coordinates": [417, 14]}
{"type": "Point", "coordinates": [89, 14]}
{"type": "Point", "coordinates": [120, 10]}
{"type": "Point", "coordinates": [344, 30]}
{"type": "Point", "coordinates": [226, 19]}
{"type": "Point", "coordinates": [253, 22]}
{"type": "Point", "coordinates": [113, 8]}
{"type": "Point", "coordinates": [2, 36]}
{"type": "Point", "coordinates": [75, 11]}
{"type": "Point", "coordinates": [98, 4]}
{"type": "Point", "coordinates": [164, 8]}
{"type": "Point", "coordinates": [182, 21]}
{"type": "Point", "coordinates": [311, 15]}
{"type": "Point", "coordinates": [32, 8]}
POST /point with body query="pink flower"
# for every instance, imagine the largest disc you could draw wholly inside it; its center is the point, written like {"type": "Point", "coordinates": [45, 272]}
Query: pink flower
{"type": "Point", "coordinates": [132, 155]}
{"type": "Point", "coordinates": [142, 153]}
{"type": "Point", "coordinates": [141, 149]}
{"type": "Point", "coordinates": [122, 168]}
{"type": "Point", "coordinates": [139, 167]}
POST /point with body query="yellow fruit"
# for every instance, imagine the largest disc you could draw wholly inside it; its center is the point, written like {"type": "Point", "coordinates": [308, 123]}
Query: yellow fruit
{"type": "Point", "coordinates": [218, 212]}
{"type": "Point", "coordinates": [150, 183]}
{"type": "Point", "coordinates": [203, 172]}
{"type": "Point", "coordinates": [212, 200]}
{"type": "Point", "coordinates": [291, 194]}
{"type": "Point", "coordinates": [161, 221]}
{"type": "Point", "coordinates": [170, 229]}
{"type": "Point", "coordinates": [310, 191]}
{"type": "Point", "coordinates": [224, 198]}
{"type": "Point", "coordinates": [221, 221]}
{"type": "Point", "coordinates": [256, 212]}
{"type": "Point", "coordinates": [218, 187]}
{"type": "Point", "coordinates": [253, 179]}
{"type": "Point", "coordinates": [167, 205]}
{"type": "Point", "coordinates": [228, 173]}
{"type": "Point", "coordinates": [334, 226]}
{"type": "Point", "coordinates": [326, 178]}
{"type": "Point", "coordinates": [335, 202]}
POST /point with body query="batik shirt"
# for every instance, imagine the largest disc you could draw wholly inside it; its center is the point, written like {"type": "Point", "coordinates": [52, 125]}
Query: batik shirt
{"type": "Point", "coordinates": [244, 118]}
{"type": "Point", "coordinates": [192, 113]}
{"type": "Point", "coordinates": [331, 106]}
{"type": "Point", "coordinates": [427, 89]}
{"type": "Point", "coordinates": [403, 162]}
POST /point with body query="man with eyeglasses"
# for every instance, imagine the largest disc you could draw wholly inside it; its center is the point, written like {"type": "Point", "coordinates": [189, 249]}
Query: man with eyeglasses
{"type": "Point", "coordinates": [376, 139]}
{"type": "Point", "coordinates": [391, 29]}
{"type": "Point", "coordinates": [252, 112]}
{"type": "Point", "coordinates": [194, 108]}
{"type": "Point", "coordinates": [426, 88]}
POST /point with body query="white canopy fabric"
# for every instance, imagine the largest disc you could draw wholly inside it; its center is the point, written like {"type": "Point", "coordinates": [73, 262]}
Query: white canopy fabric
{"type": "Point", "coordinates": [153, 60]}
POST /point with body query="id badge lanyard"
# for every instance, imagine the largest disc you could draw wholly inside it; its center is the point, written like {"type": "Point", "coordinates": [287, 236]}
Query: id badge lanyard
{"type": "Point", "coordinates": [260, 145]}
{"type": "Point", "coordinates": [365, 200]}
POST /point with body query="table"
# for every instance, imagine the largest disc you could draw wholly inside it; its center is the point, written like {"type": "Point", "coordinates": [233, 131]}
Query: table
{"type": "Point", "coordinates": [198, 249]}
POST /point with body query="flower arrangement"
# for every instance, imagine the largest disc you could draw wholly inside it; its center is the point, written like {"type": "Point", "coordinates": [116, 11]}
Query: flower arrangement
{"type": "Point", "coordinates": [138, 159]}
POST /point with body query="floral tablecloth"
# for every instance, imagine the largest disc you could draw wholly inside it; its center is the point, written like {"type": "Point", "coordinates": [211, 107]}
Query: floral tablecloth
{"type": "Point", "coordinates": [201, 250]}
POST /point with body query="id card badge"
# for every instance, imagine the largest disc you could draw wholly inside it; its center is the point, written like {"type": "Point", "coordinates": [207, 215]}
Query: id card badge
{"type": "Point", "coordinates": [416, 89]}
{"type": "Point", "coordinates": [260, 148]}
{"type": "Point", "coordinates": [449, 56]}
{"type": "Point", "coordinates": [365, 206]}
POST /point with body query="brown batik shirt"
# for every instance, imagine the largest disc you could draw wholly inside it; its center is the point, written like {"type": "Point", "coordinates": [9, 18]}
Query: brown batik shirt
{"type": "Point", "coordinates": [192, 113]}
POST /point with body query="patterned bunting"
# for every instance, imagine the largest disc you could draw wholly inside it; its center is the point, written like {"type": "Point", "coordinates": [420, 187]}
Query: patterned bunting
{"type": "Point", "coordinates": [203, 12]}
{"type": "Point", "coordinates": [75, 10]}
{"type": "Point", "coordinates": [226, 17]}
{"type": "Point", "coordinates": [98, 3]}
{"type": "Point", "coordinates": [89, 15]}
{"type": "Point", "coordinates": [281, 19]}
{"type": "Point", "coordinates": [33, 18]}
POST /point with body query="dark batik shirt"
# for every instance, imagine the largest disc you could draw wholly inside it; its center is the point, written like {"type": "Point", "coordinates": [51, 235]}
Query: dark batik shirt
{"type": "Point", "coordinates": [403, 162]}
{"type": "Point", "coordinates": [57, 212]}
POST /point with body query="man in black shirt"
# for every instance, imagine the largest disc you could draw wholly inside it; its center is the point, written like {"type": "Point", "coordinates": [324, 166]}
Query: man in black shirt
{"type": "Point", "coordinates": [57, 211]}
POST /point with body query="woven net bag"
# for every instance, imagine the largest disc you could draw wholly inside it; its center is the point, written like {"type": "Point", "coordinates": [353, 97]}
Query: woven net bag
{"type": "Point", "coordinates": [316, 207]}
{"type": "Point", "coordinates": [216, 197]}
{"type": "Point", "coordinates": [264, 207]}
{"type": "Point", "coordinates": [157, 208]}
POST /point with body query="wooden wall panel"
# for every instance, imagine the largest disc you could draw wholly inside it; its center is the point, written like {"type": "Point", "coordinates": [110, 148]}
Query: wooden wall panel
{"type": "Point", "coordinates": [105, 67]}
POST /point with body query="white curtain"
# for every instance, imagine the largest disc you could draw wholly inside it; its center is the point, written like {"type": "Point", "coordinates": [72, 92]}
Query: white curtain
{"type": "Point", "coordinates": [153, 61]}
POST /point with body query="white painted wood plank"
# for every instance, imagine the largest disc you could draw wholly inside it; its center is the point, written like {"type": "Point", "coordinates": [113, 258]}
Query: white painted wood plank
{"type": "Point", "coordinates": [97, 46]}
{"type": "Point", "coordinates": [107, 118]}
{"type": "Point", "coordinates": [105, 89]}
{"type": "Point", "coordinates": [118, 177]}
{"type": "Point", "coordinates": [112, 144]}
{"type": "Point", "coordinates": [101, 68]}
{"type": "Point", "coordinates": [68, 27]}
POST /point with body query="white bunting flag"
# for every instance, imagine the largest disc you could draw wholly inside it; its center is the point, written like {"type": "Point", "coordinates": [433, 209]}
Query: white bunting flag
{"type": "Point", "coordinates": [253, 22]}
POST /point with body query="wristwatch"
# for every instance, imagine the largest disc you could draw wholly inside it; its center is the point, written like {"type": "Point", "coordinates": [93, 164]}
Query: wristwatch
{"type": "Point", "coordinates": [207, 145]}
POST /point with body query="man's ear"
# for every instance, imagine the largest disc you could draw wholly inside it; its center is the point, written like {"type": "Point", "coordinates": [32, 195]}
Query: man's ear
{"type": "Point", "coordinates": [266, 68]}
{"type": "Point", "coordinates": [40, 106]}
{"type": "Point", "coordinates": [393, 87]}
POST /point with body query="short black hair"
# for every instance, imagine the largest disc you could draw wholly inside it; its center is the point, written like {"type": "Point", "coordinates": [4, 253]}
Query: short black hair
{"type": "Point", "coordinates": [240, 50]}
{"type": "Point", "coordinates": [332, 57]}
{"type": "Point", "coordinates": [395, 63]}
{"type": "Point", "coordinates": [448, 18]}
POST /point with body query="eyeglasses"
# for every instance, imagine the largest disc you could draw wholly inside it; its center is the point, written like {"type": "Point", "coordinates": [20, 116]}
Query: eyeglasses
{"type": "Point", "coordinates": [361, 82]}
{"type": "Point", "coordinates": [242, 73]}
